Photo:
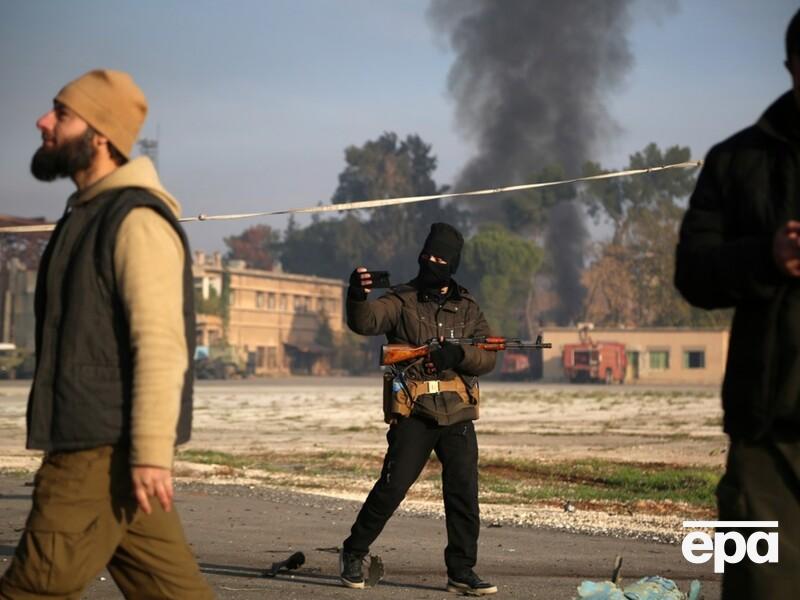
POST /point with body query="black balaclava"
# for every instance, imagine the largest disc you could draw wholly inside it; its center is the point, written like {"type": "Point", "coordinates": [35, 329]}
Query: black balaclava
{"type": "Point", "coordinates": [445, 242]}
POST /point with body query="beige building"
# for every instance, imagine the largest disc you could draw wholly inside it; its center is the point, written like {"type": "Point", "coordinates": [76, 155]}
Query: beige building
{"type": "Point", "coordinates": [17, 319]}
{"type": "Point", "coordinates": [18, 282]}
{"type": "Point", "coordinates": [655, 355]}
{"type": "Point", "coordinates": [274, 318]}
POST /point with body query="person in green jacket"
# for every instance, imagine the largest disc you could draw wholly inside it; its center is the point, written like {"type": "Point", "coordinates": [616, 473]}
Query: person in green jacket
{"type": "Point", "coordinates": [739, 247]}
{"type": "Point", "coordinates": [438, 417]}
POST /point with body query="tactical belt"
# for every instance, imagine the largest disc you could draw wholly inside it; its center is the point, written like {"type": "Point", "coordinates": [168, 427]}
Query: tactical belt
{"type": "Point", "coordinates": [400, 394]}
{"type": "Point", "coordinates": [436, 386]}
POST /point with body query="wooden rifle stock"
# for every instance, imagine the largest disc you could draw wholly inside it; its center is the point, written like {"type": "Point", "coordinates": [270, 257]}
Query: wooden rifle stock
{"type": "Point", "coordinates": [395, 353]}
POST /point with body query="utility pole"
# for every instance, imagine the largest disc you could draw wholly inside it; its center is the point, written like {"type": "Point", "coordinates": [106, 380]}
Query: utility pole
{"type": "Point", "coordinates": [149, 147]}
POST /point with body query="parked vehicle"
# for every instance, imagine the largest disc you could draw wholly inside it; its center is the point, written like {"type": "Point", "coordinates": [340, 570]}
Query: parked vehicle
{"type": "Point", "coordinates": [219, 361]}
{"type": "Point", "coordinates": [10, 359]}
{"type": "Point", "coordinates": [589, 361]}
{"type": "Point", "coordinates": [515, 365]}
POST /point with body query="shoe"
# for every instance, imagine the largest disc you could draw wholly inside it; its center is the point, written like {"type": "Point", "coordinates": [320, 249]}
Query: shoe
{"type": "Point", "coordinates": [350, 570]}
{"type": "Point", "coordinates": [467, 582]}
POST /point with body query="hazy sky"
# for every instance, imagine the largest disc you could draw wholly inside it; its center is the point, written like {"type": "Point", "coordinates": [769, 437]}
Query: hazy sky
{"type": "Point", "coordinates": [255, 101]}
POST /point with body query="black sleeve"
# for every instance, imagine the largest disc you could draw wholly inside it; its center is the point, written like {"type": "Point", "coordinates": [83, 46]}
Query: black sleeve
{"type": "Point", "coordinates": [712, 269]}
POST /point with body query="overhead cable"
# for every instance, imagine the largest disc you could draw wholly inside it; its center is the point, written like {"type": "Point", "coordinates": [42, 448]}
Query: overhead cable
{"type": "Point", "coordinates": [380, 203]}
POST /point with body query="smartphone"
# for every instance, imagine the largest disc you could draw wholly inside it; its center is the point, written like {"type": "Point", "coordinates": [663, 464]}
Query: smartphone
{"type": "Point", "coordinates": [380, 279]}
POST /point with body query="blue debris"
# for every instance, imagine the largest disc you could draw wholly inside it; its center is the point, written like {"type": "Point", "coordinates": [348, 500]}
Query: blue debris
{"type": "Point", "coordinates": [647, 588]}
{"type": "Point", "coordinates": [605, 590]}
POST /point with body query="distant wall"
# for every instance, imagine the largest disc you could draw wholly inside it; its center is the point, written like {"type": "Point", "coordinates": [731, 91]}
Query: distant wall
{"type": "Point", "coordinates": [655, 355]}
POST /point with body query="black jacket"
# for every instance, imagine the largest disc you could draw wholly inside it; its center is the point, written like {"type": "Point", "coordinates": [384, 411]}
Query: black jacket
{"type": "Point", "coordinates": [82, 389]}
{"type": "Point", "coordinates": [748, 188]}
{"type": "Point", "coordinates": [407, 315]}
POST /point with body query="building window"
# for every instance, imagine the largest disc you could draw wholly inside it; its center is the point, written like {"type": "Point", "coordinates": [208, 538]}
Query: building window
{"type": "Point", "coordinates": [283, 302]}
{"type": "Point", "coordinates": [659, 360]}
{"type": "Point", "coordinates": [633, 363]}
{"type": "Point", "coordinates": [328, 305]}
{"type": "Point", "coordinates": [261, 356]}
{"type": "Point", "coordinates": [271, 301]}
{"type": "Point", "coordinates": [272, 357]}
{"type": "Point", "coordinates": [694, 359]}
{"type": "Point", "coordinates": [302, 304]}
{"type": "Point", "coordinates": [259, 299]}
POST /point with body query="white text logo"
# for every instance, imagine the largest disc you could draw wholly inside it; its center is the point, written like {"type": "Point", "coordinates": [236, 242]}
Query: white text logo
{"type": "Point", "coordinates": [698, 546]}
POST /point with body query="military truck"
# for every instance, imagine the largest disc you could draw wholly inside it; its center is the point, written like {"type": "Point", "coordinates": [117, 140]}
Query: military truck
{"type": "Point", "coordinates": [594, 362]}
{"type": "Point", "coordinates": [10, 358]}
{"type": "Point", "coordinates": [219, 361]}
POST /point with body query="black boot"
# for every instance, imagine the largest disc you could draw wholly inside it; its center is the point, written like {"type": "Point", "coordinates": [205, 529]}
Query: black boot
{"type": "Point", "coordinates": [468, 582]}
{"type": "Point", "coordinates": [350, 570]}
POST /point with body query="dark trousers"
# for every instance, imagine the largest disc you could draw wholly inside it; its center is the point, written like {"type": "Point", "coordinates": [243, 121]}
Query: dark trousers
{"type": "Point", "coordinates": [411, 441]}
{"type": "Point", "coordinates": [762, 483]}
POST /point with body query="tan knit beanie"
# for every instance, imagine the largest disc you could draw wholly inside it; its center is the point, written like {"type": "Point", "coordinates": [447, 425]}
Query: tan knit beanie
{"type": "Point", "coordinates": [110, 102]}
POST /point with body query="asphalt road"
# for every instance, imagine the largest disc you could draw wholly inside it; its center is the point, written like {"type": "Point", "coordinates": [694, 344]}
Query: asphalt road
{"type": "Point", "coordinates": [237, 532]}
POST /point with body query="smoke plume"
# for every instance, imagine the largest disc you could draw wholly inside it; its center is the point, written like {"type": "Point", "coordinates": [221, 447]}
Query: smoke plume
{"type": "Point", "coordinates": [530, 81]}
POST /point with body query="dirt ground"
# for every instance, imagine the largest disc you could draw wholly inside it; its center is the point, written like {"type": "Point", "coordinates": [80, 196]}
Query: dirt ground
{"type": "Point", "coordinates": [240, 522]}
{"type": "Point", "coordinates": [238, 532]}
{"type": "Point", "coordinates": [624, 423]}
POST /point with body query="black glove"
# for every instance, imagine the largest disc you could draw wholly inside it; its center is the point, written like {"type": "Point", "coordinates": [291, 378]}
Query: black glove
{"type": "Point", "coordinates": [448, 356]}
{"type": "Point", "coordinates": [356, 290]}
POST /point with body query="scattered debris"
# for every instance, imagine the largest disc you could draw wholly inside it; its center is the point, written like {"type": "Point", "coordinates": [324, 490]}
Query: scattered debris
{"type": "Point", "coordinates": [375, 571]}
{"type": "Point", "coordinates": [647, 588]}
{"type": "Point", "coordinates": [295, 561]}
{"type": "Point", "coordinates": [616, 578]}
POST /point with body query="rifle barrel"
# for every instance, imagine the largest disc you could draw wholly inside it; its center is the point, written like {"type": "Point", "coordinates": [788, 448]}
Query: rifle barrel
{"type": "Point", "coordinates": [505, 342]}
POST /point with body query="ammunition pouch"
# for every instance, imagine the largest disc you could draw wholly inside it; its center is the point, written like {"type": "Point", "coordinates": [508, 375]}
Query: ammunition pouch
{"type": "Point", "coordinates": [400, 395]}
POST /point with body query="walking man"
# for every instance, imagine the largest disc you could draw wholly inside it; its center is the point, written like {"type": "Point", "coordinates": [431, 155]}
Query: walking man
{"type": "Point", "coordinates": [430, 407]}
{"type": "Point", "coordinates": [112, 392]}
{"type": "Point", "coordinates": [739, 247]}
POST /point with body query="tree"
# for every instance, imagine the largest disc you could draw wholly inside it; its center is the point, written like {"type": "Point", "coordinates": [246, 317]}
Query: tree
{"type": "Point", "coordinates": [621, 201]}
{"type": "Point", "coordinates": [611, 290]}
{"type": "Point", "coordinates": [256, 246]}
{"type": "Point", "coordinates": [208, 306]}
{"type": "Point", "coordinates": [498, 266]}
{"type": "Point", "coordinates": [390, 168]}
{"type": "Point", "coordinates": [327, 248]}
{"type": "Point", "coordinates": [630, 281]}
{"type": "Point", "coordinates": [527, 212]}
{"type": "Point", "coordinates": [389, 238]}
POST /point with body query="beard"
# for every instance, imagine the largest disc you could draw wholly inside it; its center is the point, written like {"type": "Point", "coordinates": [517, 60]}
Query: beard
{"type": "Point", "coordinates": [65, 160]}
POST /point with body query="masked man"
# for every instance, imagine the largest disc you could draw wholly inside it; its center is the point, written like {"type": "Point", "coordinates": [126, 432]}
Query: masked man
{"type": "Point", "coordinates": [112, 392]}
{"type": "Point", "coordinates": [430, 405]}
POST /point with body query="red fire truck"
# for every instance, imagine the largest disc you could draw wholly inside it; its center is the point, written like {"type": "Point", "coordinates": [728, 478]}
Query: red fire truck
{"type": "Point", "coordinates": [590, 361]}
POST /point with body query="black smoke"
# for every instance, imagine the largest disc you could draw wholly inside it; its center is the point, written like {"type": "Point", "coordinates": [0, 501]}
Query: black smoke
{"type": "Point", "coordinates": [530, 83]}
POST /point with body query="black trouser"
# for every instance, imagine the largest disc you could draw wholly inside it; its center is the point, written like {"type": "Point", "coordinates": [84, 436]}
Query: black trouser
{"type": "Point", "coordinates": [410, 443]}
{"type": "Point", "coordinates": [762, 483]}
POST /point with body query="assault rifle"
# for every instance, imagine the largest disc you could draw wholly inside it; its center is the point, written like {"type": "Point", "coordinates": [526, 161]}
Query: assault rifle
{"type": "Point", "coordinates": [396, 353]}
